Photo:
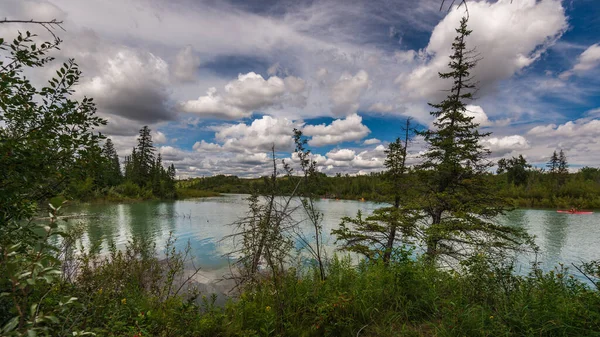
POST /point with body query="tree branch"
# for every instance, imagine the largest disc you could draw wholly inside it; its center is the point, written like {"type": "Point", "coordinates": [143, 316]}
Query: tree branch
{"type": "Point", "coordinates": [48, 25]}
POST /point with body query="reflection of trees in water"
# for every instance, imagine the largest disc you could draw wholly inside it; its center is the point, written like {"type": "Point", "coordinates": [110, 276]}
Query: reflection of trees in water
{"type": "Point", "coordinates": [167, 209]}
{"type": "Point", "coordinates": [516, 218]}
{"type": "Point", "coordinates": [143, 222]}
{"type": "Point", "coordinates": [99, 225]}
{"type": "Point", "coordinates": [555, 235]}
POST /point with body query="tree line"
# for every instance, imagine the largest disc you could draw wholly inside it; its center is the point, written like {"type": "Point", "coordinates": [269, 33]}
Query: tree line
{"type": "Point", "coordinates": [144, 176]}
{"type": "Point", "coordinates": [518, 181]}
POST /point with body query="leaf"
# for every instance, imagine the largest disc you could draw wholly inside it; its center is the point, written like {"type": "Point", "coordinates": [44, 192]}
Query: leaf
{"type": "Point", "coordinates": [33, 309]}
{"type": "Point", "coordinates": [11, 325]}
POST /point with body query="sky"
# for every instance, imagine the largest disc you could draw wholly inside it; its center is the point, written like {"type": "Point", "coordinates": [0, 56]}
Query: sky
{"type": "Point", "coordinates": [222, 82]}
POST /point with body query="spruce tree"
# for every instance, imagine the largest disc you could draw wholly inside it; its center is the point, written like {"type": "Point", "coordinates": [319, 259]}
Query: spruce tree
{"type": "Point", "coordinates": [145, 157]}
{"type": "Point", "coordinates": [170, 181]}
{"type": "Point", "coordinates": [458, 203]}
{"type": "Point", "coordinates": [377, 235]}
{"type": "Point", "coordinates": [112, 168]}
{"type": "Point", "coordinates": [562, 168]}
{"type": "Point", "coordinates": [552, 165]}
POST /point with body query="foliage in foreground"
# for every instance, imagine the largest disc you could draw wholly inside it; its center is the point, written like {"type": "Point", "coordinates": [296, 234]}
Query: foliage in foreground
{"type": "Point", "coordinates": [134, 293]}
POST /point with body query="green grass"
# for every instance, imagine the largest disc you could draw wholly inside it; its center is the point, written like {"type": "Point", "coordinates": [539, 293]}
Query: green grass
{"type": "Point", "coordinates": [126, 295]}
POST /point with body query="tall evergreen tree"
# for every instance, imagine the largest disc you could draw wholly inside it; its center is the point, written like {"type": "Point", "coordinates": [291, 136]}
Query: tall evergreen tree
{"type": "Point", "coordinates": [563, 166]}
{"type": "Point", "coordinates": [552, 165]}
{"type": "Point", "coordinates": [459, 205]}
{"type": "Point", "coordinates": [378, 234]}
{"type": "Point", "coordinates": [144, 161]}
{"type": "Point", "coordinates": [562, 169]}
{"type": "Point", "coordinates": [112, 168]}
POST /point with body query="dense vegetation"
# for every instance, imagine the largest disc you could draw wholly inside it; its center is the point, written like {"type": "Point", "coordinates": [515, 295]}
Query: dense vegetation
{"type": "Point", "coordinates": [49, 144]}
{"type": "Point", "coordinates": [534, 187]}
{"type": "Point", "coordinates": [144, 177]}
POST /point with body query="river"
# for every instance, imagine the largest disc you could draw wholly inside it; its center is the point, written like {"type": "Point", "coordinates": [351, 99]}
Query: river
{"type": "Point", "coordinates": [203, 222]}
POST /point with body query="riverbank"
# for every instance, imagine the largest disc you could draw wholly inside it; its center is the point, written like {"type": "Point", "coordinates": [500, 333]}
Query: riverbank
{"type": "Point", "coordinates": [113, 197]}
{"type": "Point", "coordinates": [127, 296]}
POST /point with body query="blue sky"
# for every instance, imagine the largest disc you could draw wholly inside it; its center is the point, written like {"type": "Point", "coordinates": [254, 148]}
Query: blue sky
{"type": "Point", "coordinates": [222, 82]}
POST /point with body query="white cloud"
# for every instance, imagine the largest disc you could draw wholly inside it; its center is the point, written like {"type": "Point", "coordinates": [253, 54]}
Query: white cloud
{"type": "Point", "coordinates": [361, 162]}
{"type": "Point", "coordinates": [248, 93]}
{"type": "Point", "coordinates": [251, 91]}
{"type": "Point", "coordinates": [340, 130]}
{"type": "Point", "coordinates": [568, 130]}
{"type": "Point", "coordinates": [186, 65]}
{"type": "Point", "coordinates": [158, 137]}
{"type": "Point", "coordinates": [347, 91]}
{"type": "Point", "coordinates": [213, 105]}
{"type": "Point", "coordinates": [507, 36]}
{"type": "Point", "coordinates": [580, 139]}
{"type": "Point", "coordinates": [588, 60]}
{"type": "Point", "coordinates": [259, 136]}
{"type": "Point", "coordinates": [341, 154]}
{"type": "Point", "coordinates": [503, 145]}
{"type": "Point", "coordinates": [479, 116]}
{"type": "Point", "coordinates": [381, 107]}
{"type": "Point", "coordinates": [371, 141]}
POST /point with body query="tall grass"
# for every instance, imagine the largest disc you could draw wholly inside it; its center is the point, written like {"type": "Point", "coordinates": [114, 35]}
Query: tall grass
{"type": "Point", "coordinates": [133, 293]}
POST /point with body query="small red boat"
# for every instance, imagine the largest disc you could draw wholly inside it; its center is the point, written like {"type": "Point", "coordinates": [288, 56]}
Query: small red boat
{"type": "Point", "coordinates": [574, 211]}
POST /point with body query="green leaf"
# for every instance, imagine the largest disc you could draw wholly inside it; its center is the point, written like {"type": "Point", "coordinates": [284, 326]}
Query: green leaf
{"type": "Point", "coordinates": [33, 309]}
{"type": "Point", "coordinates": [11, 325]}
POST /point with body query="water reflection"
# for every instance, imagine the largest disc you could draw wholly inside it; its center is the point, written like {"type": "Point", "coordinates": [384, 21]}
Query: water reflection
{"type": "Point", "coordinates": [204, 222]}
{"type": "Point", "coordinates": [555, 236]}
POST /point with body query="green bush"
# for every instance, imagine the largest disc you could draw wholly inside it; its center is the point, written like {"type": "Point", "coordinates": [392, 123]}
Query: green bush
{"type": "Point", "coordinates": [128, 189]}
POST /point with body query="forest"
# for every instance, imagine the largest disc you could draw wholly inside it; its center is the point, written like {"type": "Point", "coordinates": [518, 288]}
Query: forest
{"type": "Point", "coordinates": [432, 263]}
{"type": "Point", "coordinates": [521, 184]}
{"type": "Point", "coordinates": [143, 176]}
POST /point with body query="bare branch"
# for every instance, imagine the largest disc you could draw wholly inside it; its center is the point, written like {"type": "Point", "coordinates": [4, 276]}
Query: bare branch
{"type": "Point", "coordinates": [48, 25]}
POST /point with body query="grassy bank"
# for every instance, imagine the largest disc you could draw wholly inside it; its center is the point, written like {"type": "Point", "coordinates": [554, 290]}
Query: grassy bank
{"type": "Point", "coordinates": [132, 293]}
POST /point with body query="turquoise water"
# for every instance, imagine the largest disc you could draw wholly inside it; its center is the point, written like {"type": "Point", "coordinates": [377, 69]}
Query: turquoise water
{"type": "Point", "coordinates": [204, 222]}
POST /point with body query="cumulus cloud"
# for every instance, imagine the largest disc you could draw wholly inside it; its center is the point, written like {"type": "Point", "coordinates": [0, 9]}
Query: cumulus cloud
{"type": "Point", "coordinates": [507, 36]}
{"type": "Point", "coordinates": [251, 91]}
{"type": "Point", "coordinates": [588, 60]}
{"type": "Point", "coordinates": [341, 154]}
{"type": "Point", "coordinates": [132, 84]}
{"type": "Point", "coordinates": [346, 92]}
{"type": "Point", "coordinates": [340, 130]}
{"type": "Point", "coordinates": [260, 136]}
{"type": "Point", "coordinates": [568, 130]}
{"type": "Point", "coordinates": [371, 141]}
{"type": "Point", "coordinates": [479, 116]}
{"type": "Point", "coordinates": [500, 146]}
{"type": "Point", "coordinates": [248, 93]}
{"type": "Point", "coordinates": [213, 105]}
{"type": "Point", "coordinates": [158, 137]}
{"type": "Point", "coordinates": [186, 65]}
